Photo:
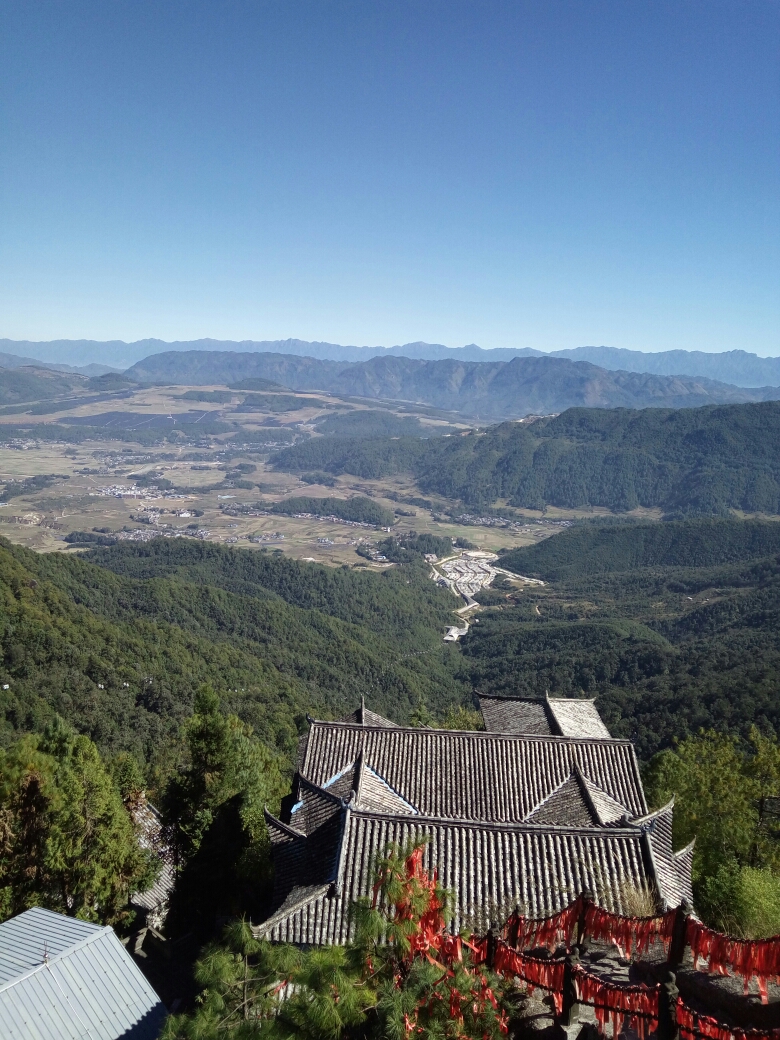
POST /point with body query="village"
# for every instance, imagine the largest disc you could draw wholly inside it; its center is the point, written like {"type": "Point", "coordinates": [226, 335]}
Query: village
{"type": "Point", "coordinates": [466, 574]}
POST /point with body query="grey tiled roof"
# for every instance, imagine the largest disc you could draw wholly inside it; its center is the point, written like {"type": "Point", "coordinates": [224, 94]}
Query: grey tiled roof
{"type": "Point", "coordinates": [553, 716]}
{"type": "Point", "coordinates": [503, 715]}
{"type": "Point", "coordinates": [672, 869]}
{"type": "Point", "coordinates": [577, 718]}
{"type": "Point", "coordinates": [473, 776]}
{"type": "Point", "coordinates": [62, 979]}
{"type": "Point", "coordinates": [489, 867]}
{"type": "Point", "coordinates": [363, 716]}
{"type": "Point", "coordinates": [524, 819]}
{"type": "Point", "coordinates": [154, 900]}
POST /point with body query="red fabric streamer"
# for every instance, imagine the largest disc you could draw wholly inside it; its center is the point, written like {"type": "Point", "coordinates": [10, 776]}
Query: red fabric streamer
{"type": "Point", "coordinates": [534, 970]}
{"type": "Point", "coordinates": [615, 1002]}
{"type": "Point", "coordinates": [530, 933]}
{"type": "Point", "coordinates": [693, 1025]}
{"type": "Point", "coordinates": [479, 948]}
{"type": "Point", "coordinates": [749, 958]}
{"type": "Point", "coordinates": [628, 933]}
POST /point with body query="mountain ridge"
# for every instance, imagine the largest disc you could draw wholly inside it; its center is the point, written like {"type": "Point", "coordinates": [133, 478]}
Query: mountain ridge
{"type": "Point", "coordinates": [737, 367]}
{"type": "Point", "coordinates": [482, 390]}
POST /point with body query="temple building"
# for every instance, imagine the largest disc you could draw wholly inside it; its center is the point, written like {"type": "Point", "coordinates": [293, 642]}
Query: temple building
{"type": "Point", "coordinates": [538, 808]}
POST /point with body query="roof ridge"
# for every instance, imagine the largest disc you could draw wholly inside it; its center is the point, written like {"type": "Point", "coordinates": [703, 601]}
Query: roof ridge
{"type": "Point", "coordinates": [47, 963]}
{"type": "Point", "coordinates": [479, 733]}
{"type": "Point", "coordinates": [587, 784]}
{"type": "Point", "coordinates": [654, 814]}
{"type": "Point", "coordinates": [390, 788]}
{"type": "Point", "coordinates": [685, 850]}
{"type": "Point", "coordinates": [572, 776]}
{"type": "Point", "coordinates": [285, 911]}
{"type": "Point", "coordinates": [284, 827]}
{"type": "Point", "coordinates": [623, 830]}
{"type": "Point", "coordinates": [322, 790]}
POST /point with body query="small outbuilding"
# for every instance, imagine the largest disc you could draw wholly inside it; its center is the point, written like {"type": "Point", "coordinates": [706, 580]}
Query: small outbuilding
{"type": "Point", "coordinates": [64, 979]}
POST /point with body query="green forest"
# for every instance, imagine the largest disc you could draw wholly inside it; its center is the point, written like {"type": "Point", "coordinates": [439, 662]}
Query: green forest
{"type": "Point", "coordinates": [116, 642]}
{"type": "Point", "coordinates": [687, 462]}
{"type": "Point", "coordinates": [357, 509]}
{"type": "Point", "coordinates": [672, 627]}
{"type": "Point", "coordinates": [187, 669]}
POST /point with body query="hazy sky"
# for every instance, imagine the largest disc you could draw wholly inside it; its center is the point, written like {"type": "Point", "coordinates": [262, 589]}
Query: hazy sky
{"type": "Point", "coordinates": [543, 174]}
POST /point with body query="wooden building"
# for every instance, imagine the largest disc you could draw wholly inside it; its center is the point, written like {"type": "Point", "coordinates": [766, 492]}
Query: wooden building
{"type": "Point", "coordinates": [541, 806]}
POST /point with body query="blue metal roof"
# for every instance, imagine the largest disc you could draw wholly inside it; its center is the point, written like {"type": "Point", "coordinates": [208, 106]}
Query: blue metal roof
{"type": "Point", "coordinates": [63, 979]}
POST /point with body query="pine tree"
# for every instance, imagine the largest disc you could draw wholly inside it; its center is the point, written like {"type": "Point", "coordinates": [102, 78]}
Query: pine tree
{"type": "Point", "coordinates": [66, 840]}
{"type": "Point", "coordinates": [403, 975]}
{"type": "Point", "coordinates": [213, 816]}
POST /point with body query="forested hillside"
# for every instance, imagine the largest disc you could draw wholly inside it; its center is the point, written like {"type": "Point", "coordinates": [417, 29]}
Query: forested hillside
{"type": "Point", "coordinates": [35, 384]}
{"type": "Point", "coordinates": [120, 655]}
{"type": "Point", "coordinates": [693, 461]}
{"type": "Point", "coordinates": [594, 549]}
{"type": "Point", "coordinates": [673, 629]}
{"type": "Point", "coordinates": [489, 389]}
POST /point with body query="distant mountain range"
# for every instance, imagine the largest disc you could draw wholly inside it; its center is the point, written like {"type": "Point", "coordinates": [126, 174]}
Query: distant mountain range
{"type": "Point", "coordinates": [736, 367]}
{"type": "Point", "coordinates": [12, 361]}
{"type": "Point", "coordinates": [483, 390]}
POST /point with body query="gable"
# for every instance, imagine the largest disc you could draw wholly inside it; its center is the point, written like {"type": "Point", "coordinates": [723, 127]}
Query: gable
{"type": "Point", "coordinates": [475, 776]}
{"type": "Point", "coordinates": [565, 807]}
{"type": "Point", "coordinates": [576, 718]}
{"type": "Point", "coordinates": [502, 715]}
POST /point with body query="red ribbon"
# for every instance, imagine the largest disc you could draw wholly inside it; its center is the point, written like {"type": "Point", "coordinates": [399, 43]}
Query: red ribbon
{"type": "Point", "coordinates": [529, 933]}
{"type": "Point", "coordinates": [534, 970]}
{"type": "Point", "coordinates": [693, 1025]}
{"type": "Point", "coordinates": [754, 958]}
{"type": "Point", "coordinates": [639, 1002]}
{"type": "Point", "coordinates": [628, 933]}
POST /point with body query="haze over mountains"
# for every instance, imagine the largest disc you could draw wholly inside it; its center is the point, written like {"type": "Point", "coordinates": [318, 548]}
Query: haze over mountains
{"type": "Point", "coordinates": [737, 367]}
{"type": "Point", "coordinates": [483, 390]}
{"type": "Point", "coordinates": [485, 385]}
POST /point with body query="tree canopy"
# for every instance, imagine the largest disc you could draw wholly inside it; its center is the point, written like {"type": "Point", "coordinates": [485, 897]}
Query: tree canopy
{"type": "Point", "coordinates": [67, 841]}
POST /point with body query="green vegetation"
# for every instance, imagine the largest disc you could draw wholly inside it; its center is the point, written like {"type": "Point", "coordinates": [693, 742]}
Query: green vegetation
{"type": "Point", "coordinates": [113, 381]}
{"type": "Point", "coordinates": [358, 509]}
{"type": "Point", "coordinates": [89, 538]}
{"type": "Point", "coordinates": [213, 814]}
{"type": "Point", "coordinates": [35, 384]}
{"type": "Point", "coordinates": [68, 842]}
{"type": "Point", "coordinates": [666, 649]}
{"type": "Point", "coordinates": [126, 432]}
{"type": "Point", "coordinates": [603, 549]}
{"type": "Point", "coordinates": [323, 479]}
{"type": "Point", "coordinates": [411, 547]}
{"type": "Point", "coordinates": [725, 798]}
{"type": "Point", "coordinates": [373, 422]}
{"type": "Point", "coordinates": [119, 652]}
{"type": "Point", "coordinates": [386, 984]}
{"type": "Point", "coordinates": [17, 488]}
{"type": "Point", "coordinates": [370, 458]}
{"type": "Point", "coordinates": [690, 461]}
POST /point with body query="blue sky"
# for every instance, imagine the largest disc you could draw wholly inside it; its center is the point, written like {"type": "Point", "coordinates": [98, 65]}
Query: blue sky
{"type": "Point", "coordinates": [544, 174]}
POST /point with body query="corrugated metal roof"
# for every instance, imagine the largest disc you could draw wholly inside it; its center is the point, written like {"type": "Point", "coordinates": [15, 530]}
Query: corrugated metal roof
{"type": "Point", "coordinates": [63, 979]}
{"type": "Point", "coordinates": [481, 776]}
